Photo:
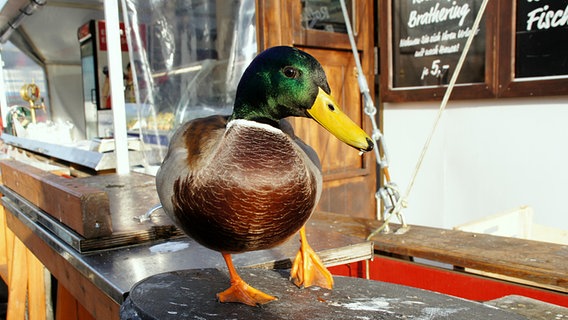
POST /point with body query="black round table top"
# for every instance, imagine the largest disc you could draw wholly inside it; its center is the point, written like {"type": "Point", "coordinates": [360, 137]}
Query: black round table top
{"type": "Point", "coordinates": [190, 294]}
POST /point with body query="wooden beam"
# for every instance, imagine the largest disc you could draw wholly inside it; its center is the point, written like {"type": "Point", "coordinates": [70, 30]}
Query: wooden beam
{"type": "Point", "coordinates": [83, 208]}
{"type": "Point", "coordinates": [538, 262]}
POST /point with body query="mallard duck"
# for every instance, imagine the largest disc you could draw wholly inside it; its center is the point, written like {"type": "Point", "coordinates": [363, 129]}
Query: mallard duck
{"type": "Point", "coordinates": [245, 182]}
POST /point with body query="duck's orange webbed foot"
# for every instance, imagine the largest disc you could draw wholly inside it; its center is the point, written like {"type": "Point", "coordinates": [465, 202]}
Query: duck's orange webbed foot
{"type": "Point", "coordinates": [307, 269]}
{"type": "Point", "coordinates": [240, 291]}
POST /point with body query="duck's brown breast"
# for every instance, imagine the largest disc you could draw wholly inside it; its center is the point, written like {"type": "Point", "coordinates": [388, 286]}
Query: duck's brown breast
{"type": "Point", "coordinates": [255, 192]}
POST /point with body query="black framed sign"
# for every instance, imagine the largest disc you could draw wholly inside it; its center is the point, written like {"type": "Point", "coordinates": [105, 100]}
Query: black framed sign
{"type": "Point", "coordinates": [424, 40]}
{"type": "Point", "coordinates": [428, 38]}
{"type": "Point", "coordinates": [521, 49]}
{"type": "Point", "coordinates": [541, 37]}
{"type": "Point", "coordinates": [533, 41]}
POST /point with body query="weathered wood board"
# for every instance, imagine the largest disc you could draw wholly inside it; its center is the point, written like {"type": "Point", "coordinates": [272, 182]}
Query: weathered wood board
{"type": "Point", "coordinates": [539, 262]}
{"type": "Point", "coordinates": [81, 207]}
{"type": "Point", "coordinates": [89, 213]}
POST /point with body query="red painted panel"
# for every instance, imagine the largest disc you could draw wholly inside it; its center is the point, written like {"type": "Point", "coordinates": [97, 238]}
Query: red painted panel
{"type": "Point", "coordinates": [449, 282]}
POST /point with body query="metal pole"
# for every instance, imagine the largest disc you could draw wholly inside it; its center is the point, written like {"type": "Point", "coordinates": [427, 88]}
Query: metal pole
{"type": "Point", "coordinates": [116, 86]}
{"type": "Point", "coordinates": [4, 110]}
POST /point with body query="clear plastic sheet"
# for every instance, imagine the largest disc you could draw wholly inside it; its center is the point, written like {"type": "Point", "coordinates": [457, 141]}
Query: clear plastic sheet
{"type": "Point", "coordinates": [188, 57]}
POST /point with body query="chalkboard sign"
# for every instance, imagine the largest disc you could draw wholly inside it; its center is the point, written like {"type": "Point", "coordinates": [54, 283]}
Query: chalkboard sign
{"type": "Point", "coordinates": [521, 49]}
{"type": "Point", "coordinates": [541, 36]}
{"type": "Point", "coordinates": [428, 37]}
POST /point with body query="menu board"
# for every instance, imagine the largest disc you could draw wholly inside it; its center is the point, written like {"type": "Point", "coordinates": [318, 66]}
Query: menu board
{"type": "Point", "coordinates": [541, 38]}
{"type": "Point", "coordinates": [428, 38]}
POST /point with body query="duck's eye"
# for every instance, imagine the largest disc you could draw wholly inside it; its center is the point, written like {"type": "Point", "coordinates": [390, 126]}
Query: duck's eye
{"type": "Point", "coordinates": [291, 72]}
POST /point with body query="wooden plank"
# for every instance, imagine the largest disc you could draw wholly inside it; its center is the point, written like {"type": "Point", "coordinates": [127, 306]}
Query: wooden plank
{"type": "Point", "coordinates": [82, 208]}
{"type": "Point", "coordinates": [66, 304]}
{"type": "Point", "coordinates": [37, 307]}
{"type": "Point", "coordinates": [68, 307]}
{"type": "Point", "coordinates": [3, 246]}
{"type": "Point", "coordinates": [531, 260]}
{"type": "Point", "coordinates": [18, 283]}
{"type": "Point", "coordinates": [10, 238]}
{"type": "Point", "coordinates": [97, 303]}
{"type": "Point", "coordinates": [539, 262]}
{"type": "Point", "coordinates": [130, 196]}
{"type": "Point", "coordinates": [83, 313]}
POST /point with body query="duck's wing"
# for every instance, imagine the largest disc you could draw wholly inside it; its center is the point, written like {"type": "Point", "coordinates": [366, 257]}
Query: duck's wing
{"type": "Point", "coordinates": [287, 128]}
{"type": "Point", "coordinates": [196, 136]}
{"type": "Point", "coordinates": [188, 149]}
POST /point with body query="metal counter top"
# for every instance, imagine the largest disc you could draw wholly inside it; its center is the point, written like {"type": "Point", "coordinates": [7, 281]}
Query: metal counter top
{"type": "Point", "coordinates": [115, 271]}
{"type": "Point", "coordinates": [97, 161]}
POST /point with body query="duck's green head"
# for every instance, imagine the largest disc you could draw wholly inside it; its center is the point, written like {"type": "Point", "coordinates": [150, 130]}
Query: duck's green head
{"type": "Point", "coordinates": [284, 81]}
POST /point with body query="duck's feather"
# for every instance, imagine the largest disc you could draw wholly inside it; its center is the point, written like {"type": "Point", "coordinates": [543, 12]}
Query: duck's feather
{"type": "Point", "coordinates": [239, 186]}
{"type": "Point", "coordinates": [186, 147]}
{"type": "Point", "coordinates": [287, 128]}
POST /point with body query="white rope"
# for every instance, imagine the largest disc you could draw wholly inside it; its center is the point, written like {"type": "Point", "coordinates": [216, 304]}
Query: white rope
{"type": "Point", "coordinates": [370, 109]}
{"type": "Point", "coordinates": [443, 105]}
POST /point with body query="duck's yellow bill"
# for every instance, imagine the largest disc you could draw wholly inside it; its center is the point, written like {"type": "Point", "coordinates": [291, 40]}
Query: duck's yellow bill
{"type": "Point", "coordinates": [327, 113]}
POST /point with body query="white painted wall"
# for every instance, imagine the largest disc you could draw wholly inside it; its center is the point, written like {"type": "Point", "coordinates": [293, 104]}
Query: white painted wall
{"type": "Point", "coordinates": [487, 156]}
